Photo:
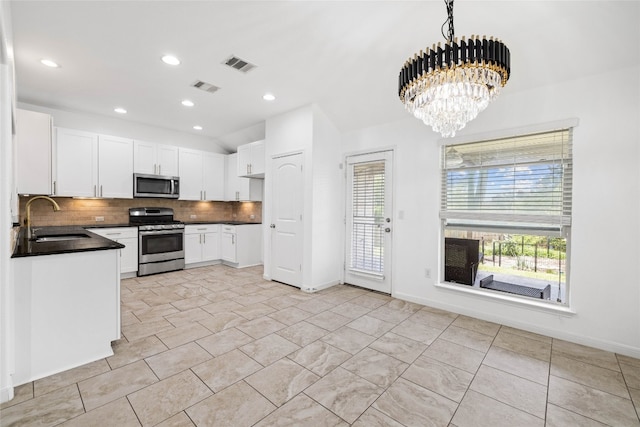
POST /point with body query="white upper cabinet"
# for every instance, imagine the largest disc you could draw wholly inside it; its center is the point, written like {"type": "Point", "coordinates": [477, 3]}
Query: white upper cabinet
{"type": "Point", "coordinates": [213, 176]}
{"type": "Point", "coordinates": [240, 188]}
{"type": "Point", "coordinates": [201, 175]}
{"type": "Point", "coordinates": [251, 160]}
{"type": "Point", "coordinates": [190, 174]}
{"type": "Point", "coordinates": [155, 159]}
{"type": "Point", "coordinates": [33, 137]}
{"type": "Point", "coordinates": [115, 167]}
{"type": "Point", "coordinates": [90, 165]}
{"type": "Point", "coordinates": [167, 160]}
{"type": "Point", "coordinates": [76, 163]}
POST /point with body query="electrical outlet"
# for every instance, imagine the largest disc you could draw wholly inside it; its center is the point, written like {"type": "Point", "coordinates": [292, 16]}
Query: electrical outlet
{"type": "Point", "coordinates": [193, 216]}
{"type": "Point", "coordinates": [427, 273]}
{"type": "Point", "coordinates": [99, 219]}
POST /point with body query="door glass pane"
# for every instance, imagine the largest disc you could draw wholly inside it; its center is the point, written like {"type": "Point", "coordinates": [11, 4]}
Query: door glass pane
{"type": "Point", "coordinates": [367, 235]}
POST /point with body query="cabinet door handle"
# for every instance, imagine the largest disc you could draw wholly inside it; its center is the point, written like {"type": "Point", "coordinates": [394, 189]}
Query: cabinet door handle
{"type": "Point", "coordinates": [247, 168]}
{"type": "Point", "coordinates": [200, 238]}
{"type": "Point", "coordinates": [200, 194]}
{"type": "Point", "coordinates": [200, 229]}
{"type": "Point", "coordinates": [54, 188]}
{"type": "Point", "coordinates": [205, 195]}
{"type": "Point", "coordinates": [159, 169]}
{"type": "Point", "coordinates": [100, 190]}
{"type": "Point", "coordinates": [113, 234]}
{"type": "Point", "coordinates": [95, 193]}
{"type": "Point", "coordinates": [237, 195]}
{"type": "Point", "coordinates": [154, 169]}
{"type": "Point", "coordinates": [204, 239]}
{"type": "Point", "coordinates": [233, 239]}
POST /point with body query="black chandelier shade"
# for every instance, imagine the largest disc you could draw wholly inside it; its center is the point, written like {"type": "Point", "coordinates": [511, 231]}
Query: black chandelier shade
{"type": "Point", "coordinates": [475, 52]}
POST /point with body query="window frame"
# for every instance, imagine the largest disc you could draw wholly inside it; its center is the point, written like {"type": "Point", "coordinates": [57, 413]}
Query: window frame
{"type": "Point", "coordinates": [508, 226]}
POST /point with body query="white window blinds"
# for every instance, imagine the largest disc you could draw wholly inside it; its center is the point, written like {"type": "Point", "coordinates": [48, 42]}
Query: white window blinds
{"type": "Point", "coordinates": [522, 182]}
{"type": "Point", "coordinates": [367, 234]}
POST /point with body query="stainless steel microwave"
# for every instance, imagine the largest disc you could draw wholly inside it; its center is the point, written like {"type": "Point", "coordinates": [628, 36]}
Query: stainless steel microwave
{"type": "Point", "coordinates": [166, 187]}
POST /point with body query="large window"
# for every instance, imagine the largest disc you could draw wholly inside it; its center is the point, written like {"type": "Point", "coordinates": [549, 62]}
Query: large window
{"type": "Point", "coordinates": [506, 214]}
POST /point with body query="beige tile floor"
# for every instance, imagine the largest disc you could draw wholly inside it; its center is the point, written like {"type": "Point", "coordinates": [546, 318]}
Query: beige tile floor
{"type": "Point", "coordinates": [216, 346]}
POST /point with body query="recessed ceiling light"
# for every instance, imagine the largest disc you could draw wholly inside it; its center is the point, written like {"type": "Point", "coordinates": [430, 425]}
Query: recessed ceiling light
{"type": "Point", "coordinates": [196, 127]}
{"type": "Point", "coordinates": [170, 60]}
{"type": "Point", "coordinates": [268, 97]}
{"type": "Point", "coordinates": [120, 110]}
{"type": "Point", "coordinates": [49, 63]}
{"type": "Point", "coordinates": [188, 103]}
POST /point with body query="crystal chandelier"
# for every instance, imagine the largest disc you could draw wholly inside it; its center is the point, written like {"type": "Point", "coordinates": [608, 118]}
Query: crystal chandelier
{"type": "Point", "coordinates": [446, 87]}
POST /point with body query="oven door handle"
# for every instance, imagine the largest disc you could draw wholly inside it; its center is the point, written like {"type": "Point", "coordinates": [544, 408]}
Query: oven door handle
{"type": "Point", "coordinates": [158, 232]}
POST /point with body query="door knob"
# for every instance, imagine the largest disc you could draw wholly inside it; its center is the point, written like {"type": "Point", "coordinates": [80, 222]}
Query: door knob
{"type": "Point", "coordinates": [272, 226]}
{"type": "Point", "coordinates": [388, 219]}
{"type": "Point", "coordinates": [387, 230]}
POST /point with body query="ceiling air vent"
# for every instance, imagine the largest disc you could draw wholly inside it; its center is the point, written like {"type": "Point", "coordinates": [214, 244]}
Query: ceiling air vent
{"type": "Point", "coordinates": [207, 87]}
{"type": "Point", "coordinates": [239, 64]}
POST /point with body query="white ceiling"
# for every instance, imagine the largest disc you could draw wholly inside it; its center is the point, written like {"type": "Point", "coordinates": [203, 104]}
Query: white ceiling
{"type": "Point", "coordinates": [342, 55]}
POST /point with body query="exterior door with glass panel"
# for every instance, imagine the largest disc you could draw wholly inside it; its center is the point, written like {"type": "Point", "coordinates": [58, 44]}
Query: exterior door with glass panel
{"type": "Point", "coordinates": [369, 223]}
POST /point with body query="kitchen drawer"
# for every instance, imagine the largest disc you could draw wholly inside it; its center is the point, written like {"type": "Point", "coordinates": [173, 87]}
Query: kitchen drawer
{"type": "Point", "coordinates": [116, 232]}
{"type": "Point", "coordinates": [228, 228]}
{"type": "Point", "coordinates": [201, 228]}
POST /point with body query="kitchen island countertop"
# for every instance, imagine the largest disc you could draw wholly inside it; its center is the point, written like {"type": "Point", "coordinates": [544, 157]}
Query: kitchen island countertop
{"type": "Point", "coordinates": [93, 242]}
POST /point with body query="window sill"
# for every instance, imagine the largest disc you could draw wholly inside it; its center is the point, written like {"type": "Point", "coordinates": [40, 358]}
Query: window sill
{"type": "Point", "coordinates": [512, 300]}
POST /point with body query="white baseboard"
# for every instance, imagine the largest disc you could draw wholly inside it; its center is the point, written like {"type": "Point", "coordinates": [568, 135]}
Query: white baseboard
{"type": "Point", "coordinates": [321, 286]}
{"type": "Point", "coordinates": [202, 264]}
{"type": "Point", "coordinates": [6, 394]}
{"type": "Point", "coordinates": [606, 345]}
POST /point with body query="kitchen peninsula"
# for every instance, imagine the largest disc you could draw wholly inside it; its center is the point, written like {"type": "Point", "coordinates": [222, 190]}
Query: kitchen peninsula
{"type": "Point", "coordinates": [67, 297]}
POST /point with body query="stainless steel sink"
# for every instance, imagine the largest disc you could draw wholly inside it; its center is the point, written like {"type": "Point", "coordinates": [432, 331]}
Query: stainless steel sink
{"type": "Point", "coordinates": [61, 237]}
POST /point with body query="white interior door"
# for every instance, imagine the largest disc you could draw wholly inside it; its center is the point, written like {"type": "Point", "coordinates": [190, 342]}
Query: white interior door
{"type": "Point", "coordinates": [286, 224]}
{"type": "Point", "coordinates": [368, 221]}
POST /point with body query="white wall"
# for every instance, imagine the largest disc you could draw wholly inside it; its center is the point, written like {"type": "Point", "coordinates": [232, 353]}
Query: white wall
{"type": "Point", "coordinates": [288, 133]}
{"type": "Point", "coordinates": [327, 203]}
{"type": "Point", "coordinates": [605, 284]}
{"type": "Point", "coordinates": [7, 96]}
{"type": "Point", "coordinates": [307, 130]}
{"type": "Point", "coordinates": [114, 126]}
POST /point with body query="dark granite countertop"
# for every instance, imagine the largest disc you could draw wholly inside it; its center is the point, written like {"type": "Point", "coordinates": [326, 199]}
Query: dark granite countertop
{"type": "Point", "coordinates": [103, 225]}
{"type": "Point", "coordinates": [221, 222]}
{"type": "Point", "coordinates": [91, 242]}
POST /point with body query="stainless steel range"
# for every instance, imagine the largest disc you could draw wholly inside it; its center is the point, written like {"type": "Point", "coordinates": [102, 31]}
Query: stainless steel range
{"type": "Point", "coordinates": [160, 240]}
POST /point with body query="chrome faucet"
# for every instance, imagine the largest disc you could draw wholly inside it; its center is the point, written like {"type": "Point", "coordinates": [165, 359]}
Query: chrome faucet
{"type": "Point", "coordinates": [27, 220]}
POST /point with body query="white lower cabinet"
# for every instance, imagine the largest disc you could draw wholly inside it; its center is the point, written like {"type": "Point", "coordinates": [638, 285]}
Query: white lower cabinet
{"type": "Point", "coordinates": [235, 245]}
{"type": "Point", "coordinates": [242, 245]}
{"type": "Point", "coordinates": [201, 243]}
{"type": "Point", "coordinates": [128, 236]}
{"type": "Point", "coordinates": [229, 252]}
{"type": "Point", "coordinates": [67, 311]}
